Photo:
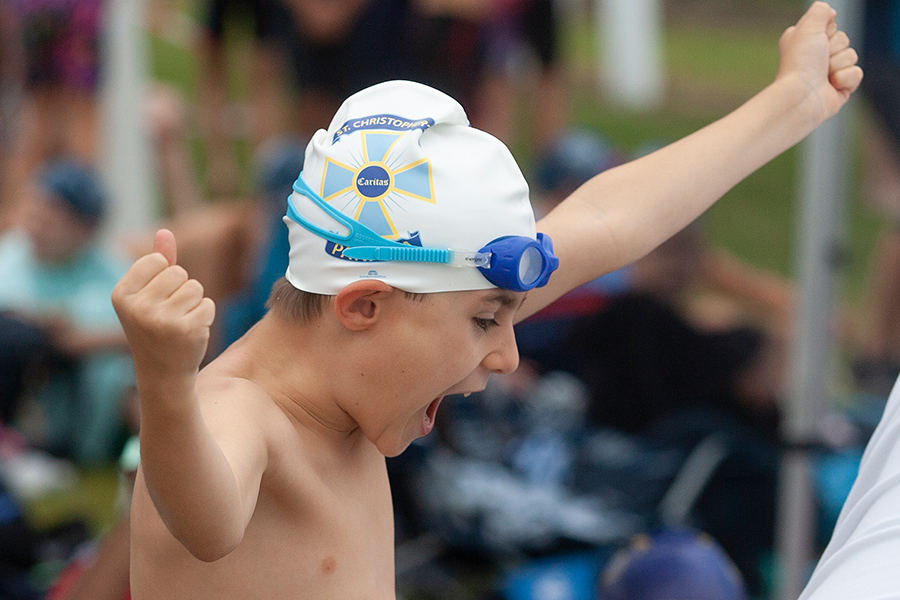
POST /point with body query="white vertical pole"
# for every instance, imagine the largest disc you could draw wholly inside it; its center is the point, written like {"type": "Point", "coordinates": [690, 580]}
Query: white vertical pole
{"type": "Point", "coordinates": [126, 153]}
{"type": "Point", "coordinates": [630, 51]}
{"type": "Point", "coordinates": [823, 180]}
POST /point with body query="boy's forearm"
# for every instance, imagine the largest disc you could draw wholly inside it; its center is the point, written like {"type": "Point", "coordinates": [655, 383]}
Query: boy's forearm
{"type": "Point", "coordinates": [190, 480]}
{"type": "Point", "coordinates": [622, 214]}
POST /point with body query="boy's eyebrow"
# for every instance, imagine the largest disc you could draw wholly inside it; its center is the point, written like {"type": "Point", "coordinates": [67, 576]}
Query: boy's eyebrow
{"type": "Point", "coordinates": [506, 298]}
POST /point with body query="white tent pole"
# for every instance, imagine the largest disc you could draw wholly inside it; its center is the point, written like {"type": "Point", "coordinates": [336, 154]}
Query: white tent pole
{"type": "Point", "coordinates": [127, 164]}
{"type": "Point", "coordinates": [629, 51]}
{"type": "Point", "coordinates": [824, 167]}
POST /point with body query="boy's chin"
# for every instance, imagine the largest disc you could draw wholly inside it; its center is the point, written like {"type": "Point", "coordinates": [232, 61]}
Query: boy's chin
{"type": "Point", "coordinates": [396, 453]}
{"type": "Point", "coordinates": [394, 450]}
{"type": "Point", "coordinates": [390, 448]}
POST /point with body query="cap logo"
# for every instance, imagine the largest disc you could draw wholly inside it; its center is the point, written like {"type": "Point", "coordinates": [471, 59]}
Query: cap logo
{"type": "Point", "coordinates": [373, 182]}
{"type": "Point", "coordinates": [372, 178]}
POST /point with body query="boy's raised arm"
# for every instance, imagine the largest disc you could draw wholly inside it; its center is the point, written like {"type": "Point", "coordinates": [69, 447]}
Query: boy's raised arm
{"type": "Point", "coordinates": [622, 214]}
{"type": "Point", "coordinates": [204, 496]}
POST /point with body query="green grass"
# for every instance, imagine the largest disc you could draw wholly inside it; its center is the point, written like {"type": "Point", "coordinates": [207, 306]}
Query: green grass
{"type": "Point", "coordinates": [739, 62]}
{"type": "Point", "coordinates": [92, 499]}
{"type": "Point", "coordinates": [173, 65]}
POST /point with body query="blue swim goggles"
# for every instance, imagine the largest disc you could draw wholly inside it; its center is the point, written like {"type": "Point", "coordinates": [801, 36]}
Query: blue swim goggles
{"type": "Point", "coordinates": [510, 262]}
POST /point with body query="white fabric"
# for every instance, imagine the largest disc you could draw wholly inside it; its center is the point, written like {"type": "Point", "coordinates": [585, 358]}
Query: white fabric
{"type": "Point", "coordinates": [401, 158]}
{"type": "Point", "coordinates": [862, 560]}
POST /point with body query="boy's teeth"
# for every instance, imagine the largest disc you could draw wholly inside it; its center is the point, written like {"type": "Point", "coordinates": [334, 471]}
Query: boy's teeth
{"type": "Point", "coordinates": [467, 394]}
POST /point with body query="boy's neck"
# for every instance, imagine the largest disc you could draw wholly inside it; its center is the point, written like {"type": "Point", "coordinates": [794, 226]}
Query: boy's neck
{"type": "Point", "coordinates": [287, 361]}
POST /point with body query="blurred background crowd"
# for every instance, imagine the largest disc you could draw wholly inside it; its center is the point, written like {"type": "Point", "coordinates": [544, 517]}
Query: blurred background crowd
{"type": "Point", "coordinates": [643, 431]}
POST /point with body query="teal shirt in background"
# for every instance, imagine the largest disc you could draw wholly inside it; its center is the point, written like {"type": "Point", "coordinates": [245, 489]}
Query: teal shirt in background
{"type": "Point", "coordinates": [82, 404]}
{"type": "Point", "coordinates": [78, 289]}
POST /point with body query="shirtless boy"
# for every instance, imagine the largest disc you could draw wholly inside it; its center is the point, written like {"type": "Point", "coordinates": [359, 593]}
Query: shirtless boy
{"type": "Point", "coordinates": [263, 476]}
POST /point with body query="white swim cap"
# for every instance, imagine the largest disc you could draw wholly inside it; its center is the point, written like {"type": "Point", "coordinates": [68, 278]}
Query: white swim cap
{"type": "Point", "coordinates": [400, 158]}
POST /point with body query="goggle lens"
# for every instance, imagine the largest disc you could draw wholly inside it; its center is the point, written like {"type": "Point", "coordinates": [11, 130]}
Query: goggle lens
{"type": "Point", "coordinates": [531, 264]}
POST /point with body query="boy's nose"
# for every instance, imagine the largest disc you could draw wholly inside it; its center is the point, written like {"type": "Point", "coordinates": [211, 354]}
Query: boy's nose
{"type": "Point", "coordinates": [504, 358]}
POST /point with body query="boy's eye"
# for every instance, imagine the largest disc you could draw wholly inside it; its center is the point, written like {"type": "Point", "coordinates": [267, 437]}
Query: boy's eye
{"type": "Point", "coordinates": [485, 324]}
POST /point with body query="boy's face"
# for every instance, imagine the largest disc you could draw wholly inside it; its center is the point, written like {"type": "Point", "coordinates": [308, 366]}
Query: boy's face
{"type": "Point", "coordinates": [446, 343]}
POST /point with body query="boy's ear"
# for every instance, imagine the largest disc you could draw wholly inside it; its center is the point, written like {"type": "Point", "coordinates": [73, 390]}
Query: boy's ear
{"type": "Point", "coordinates": [358, 305]}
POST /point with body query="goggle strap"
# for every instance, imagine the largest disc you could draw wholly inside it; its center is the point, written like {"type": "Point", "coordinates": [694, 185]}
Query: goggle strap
{"type": "Point", "coordinates": [403, 252]}
{"type": "Point", "coordinates": [400, 252]}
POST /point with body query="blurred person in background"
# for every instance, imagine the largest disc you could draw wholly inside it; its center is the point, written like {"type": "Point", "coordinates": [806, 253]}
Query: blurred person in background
{"type": "Point", "coordinates": [59, 42]}
{"type": "Point", "coordinates": [342, 46]}
{"type": "Point", "coordinates": [308, 55]}
{"type": "Point", "coordinates": [277, 164]}
{"type": "Point", "coordinates": [574, 156]}
{"type": "Point", "coordinates": [264, 67]}
{"type": "Point", "coordinates": [57, 280]}
{"type": "Point", "coordinates": [522, 62]}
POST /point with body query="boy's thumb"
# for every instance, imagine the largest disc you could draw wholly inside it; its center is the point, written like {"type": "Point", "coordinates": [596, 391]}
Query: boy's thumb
{"type": "Point", "coordinates": [164, 243]}
{"type": "Point", "coordinates": [819, 16]}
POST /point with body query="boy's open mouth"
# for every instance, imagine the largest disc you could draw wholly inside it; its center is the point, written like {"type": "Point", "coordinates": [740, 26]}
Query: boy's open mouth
{"type": "Point", "coordinates": [430, 412]}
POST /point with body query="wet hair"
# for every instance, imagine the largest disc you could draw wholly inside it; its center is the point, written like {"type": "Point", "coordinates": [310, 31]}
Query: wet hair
{"type": "Point", "coordinates": [291, 304]}
{"type": "Point", "coordinates": [295, 305]}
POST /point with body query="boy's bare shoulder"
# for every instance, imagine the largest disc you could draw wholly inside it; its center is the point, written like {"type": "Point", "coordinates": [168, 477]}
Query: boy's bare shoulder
{"type": "Point", "coordinates": [236, 406]}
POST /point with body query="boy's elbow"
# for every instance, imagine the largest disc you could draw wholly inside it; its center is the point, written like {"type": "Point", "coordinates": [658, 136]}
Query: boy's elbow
{"type": "Point", "coordinates": [209, 553]}
{"type": "Point", "coordinates": [207, 535]}
{"type": "Point", "coordinates": [211, 548]}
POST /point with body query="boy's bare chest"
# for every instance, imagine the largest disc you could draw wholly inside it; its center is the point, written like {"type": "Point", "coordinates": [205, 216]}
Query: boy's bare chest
{"type": "Point", "coordinates": [337, 527]}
